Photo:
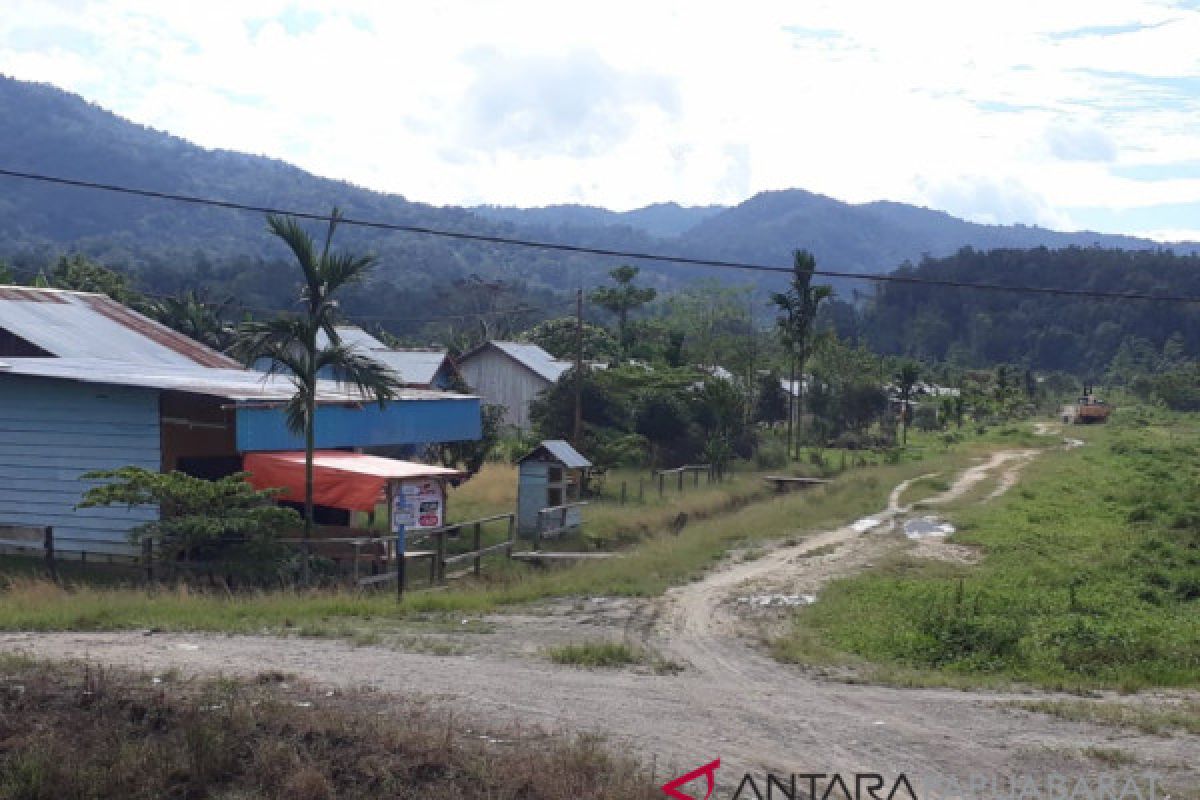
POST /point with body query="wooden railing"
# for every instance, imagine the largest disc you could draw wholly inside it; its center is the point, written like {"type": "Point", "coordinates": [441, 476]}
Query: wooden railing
{"type": "Point", "coordinates": [557, 520]}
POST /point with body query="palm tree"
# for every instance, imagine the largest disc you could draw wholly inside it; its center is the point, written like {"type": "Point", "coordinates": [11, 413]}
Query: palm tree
{"type": "Point", "coordinates": [293, 345]}
{"type": "Point", "coordinates": [798, 307]}
{"type": "Point", "coordinates": [194, 317]}
{"type": "Point", "coordinates": [906, 378]}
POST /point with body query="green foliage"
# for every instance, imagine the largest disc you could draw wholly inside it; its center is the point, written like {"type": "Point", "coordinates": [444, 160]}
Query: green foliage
{"type": "Point", "coordinates": [558, 338]}
{"type": "Point", "coordinates": [623, 298]}
{"type": "Point", "coordinates": [1179, 389]}
{"type": "Point", "coordinates": [770, 399]}
{"type": "Point", "coordinates": [597, 655]}
{"type": "Point", "coordinates": [79, 273]}
{"type": "Point", "coordinates": [226, 521]}
{"type": "Point", "coordinates": [470, 456]}
{"type": "Point", "coordinates": [197, 318]}
{"type": "Point", "coordinates": [1045, 333]}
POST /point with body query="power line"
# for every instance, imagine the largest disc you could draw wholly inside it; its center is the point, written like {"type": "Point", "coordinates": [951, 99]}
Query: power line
{"type": "Point", "coordinates": [527, 309]}
{"type": "Point", "coordinates": [585, 250]}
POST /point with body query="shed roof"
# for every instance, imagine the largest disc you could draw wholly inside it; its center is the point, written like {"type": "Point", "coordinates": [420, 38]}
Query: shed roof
{"type": "Point", "coordinates": [94, 326]}
{"type": "Point", "coordinates": [561, 451]}
{"type": "Point", "coordinates": [528, 355]}
{"type": "Point", "coordinates": [340, 480]}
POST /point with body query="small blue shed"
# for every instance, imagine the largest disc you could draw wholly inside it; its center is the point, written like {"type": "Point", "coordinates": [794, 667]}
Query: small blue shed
{"type": "Point", "coordinates": [549, 476]}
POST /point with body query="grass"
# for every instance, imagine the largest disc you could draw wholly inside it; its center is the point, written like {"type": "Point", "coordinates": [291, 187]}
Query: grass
{"type": "Point", "coordinates": [1091, 577]}
{"type": "Point", "coordinates": [1147, 719]}
{"type": "Point", "coordinates": [598, 654]}
{"type": "Point", "coordinates": [85, 732]}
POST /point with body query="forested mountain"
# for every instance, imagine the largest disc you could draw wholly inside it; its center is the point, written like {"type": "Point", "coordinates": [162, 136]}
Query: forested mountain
{"type": "Point", "coordinates": [1087, 337]}
{"type": "Point", "coordinates": [168, 246]}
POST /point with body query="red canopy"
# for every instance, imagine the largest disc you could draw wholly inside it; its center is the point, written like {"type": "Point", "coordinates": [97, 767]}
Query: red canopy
{"type": "Point", "coordinates": [352, 481]}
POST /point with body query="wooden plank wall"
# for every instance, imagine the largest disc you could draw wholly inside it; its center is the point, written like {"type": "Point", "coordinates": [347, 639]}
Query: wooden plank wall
{"type": "Point", "coordinates": [53, 431]}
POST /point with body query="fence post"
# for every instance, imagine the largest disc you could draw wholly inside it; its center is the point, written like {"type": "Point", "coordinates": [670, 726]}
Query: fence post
{"type": "Point", "coordinates": [512, 534]}
{"type": "Point", "coordinates": [148, 558]}
{"type": "Point", "coordinates": [48, 544]}
{"type": "Point", "coordinates": [681, 480]}
{"type": "Point", "coordinates": [696, 478]}
{"type": "Point", "coordinates": [661, 478]}
{"type": "Point", "coordinates": [476, 544]}
{"type": "Point", "coordinates": [440, 557]}
{"type": "Point", "coordinates": [537, 533]}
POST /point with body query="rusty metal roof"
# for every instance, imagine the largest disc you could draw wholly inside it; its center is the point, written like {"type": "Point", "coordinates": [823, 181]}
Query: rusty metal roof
{"type": "Point", "coordinates": [85, 325]}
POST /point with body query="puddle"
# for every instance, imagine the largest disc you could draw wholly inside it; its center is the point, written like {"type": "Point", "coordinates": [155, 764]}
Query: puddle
{"type": "Point", "coordinates": [924, 527]}
{"type": "Point", "coordinates": [778, 600]}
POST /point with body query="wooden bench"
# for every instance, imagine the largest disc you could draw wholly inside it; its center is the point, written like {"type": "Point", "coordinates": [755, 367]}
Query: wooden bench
{"type": "Point", "coordinates": [28, 537]}
{"type": "Point", "coordinates": [785, 482]}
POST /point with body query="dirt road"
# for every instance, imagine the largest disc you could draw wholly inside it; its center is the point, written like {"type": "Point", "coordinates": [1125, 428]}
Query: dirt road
{"type": "Point", "coordinates": [730, 701]}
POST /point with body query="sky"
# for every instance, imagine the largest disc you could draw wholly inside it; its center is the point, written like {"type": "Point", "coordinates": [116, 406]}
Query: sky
{"type": "Point", "coordinates": [1070, 114]}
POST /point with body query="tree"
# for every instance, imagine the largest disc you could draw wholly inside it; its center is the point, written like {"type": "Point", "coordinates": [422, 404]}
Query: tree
{"type": "Point", "coordinates": [195, 318]}
{"type": "Point", "coordinates": [623, 298]}
{"type": "Point", "coordinates": [798, 307]}
{"type": "Point", "coordinates": [292, 345]}
{"type": "Point", "coordinates": [558, 338]}
{"type": "Point", "coordinates": [907, 376]}
{"type": "Point", "coordinates": [224, 521]}
{"type": "Point", "coordinates": [771, 401]}
{"type": "Point", "coordinates": [78, 273]}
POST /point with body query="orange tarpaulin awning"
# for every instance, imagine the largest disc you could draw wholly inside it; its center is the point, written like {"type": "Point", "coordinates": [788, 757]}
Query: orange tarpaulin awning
{"type": "Point", "coordinates": [353, 481]}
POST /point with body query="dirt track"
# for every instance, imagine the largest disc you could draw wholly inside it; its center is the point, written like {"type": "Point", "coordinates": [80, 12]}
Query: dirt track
{"type": "Point", "coordinates": [731, 701]}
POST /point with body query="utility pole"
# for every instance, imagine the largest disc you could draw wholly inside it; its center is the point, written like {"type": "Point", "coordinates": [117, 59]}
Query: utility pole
{"type": "Point", "coordinates": [577, 437]}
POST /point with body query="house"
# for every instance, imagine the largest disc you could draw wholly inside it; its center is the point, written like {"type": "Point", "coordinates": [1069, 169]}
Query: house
{"type": "Point", "coordinates": [417, 368]}
{"type": "Point", "coordinates": [88, 384]}
{"type": "Point", "coordinates": [510, 374]}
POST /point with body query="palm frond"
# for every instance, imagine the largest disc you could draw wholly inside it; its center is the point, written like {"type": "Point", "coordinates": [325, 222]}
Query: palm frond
{"type": "Point", "coordinates": [343, 269]}
{"type": "Point", "coordinates": [347, 366]}
{"type": "Point", "coordinates": [300, 243]}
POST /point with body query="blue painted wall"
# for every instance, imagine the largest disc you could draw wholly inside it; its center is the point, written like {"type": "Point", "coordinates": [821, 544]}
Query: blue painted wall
{"type": "Point", "coordinates": [53, 431]}
{"type": "Point", "coordinates": [399, 422]}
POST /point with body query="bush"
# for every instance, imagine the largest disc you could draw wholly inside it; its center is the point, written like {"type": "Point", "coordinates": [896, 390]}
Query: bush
{"type": "Point", "coordinates": [771, 455]}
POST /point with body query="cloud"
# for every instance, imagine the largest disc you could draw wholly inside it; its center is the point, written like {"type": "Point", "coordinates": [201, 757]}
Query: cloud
{"type": "Point", "coordinates": [572, 104]}
{"type": "Point", "coordinates": [1032, 112]}
{"type": "Point", "coordinates": [1080, 143]}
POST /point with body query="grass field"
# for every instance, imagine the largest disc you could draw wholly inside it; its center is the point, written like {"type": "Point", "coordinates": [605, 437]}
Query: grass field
{"type": "Point", "coordinates": [659, 560]}
{"type": "Point", "coordinates": [76, 732]}
{"type": "Point", "coordinates": [1091, 576]}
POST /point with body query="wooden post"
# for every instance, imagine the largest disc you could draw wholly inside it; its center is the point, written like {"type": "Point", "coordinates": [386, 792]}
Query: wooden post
{"type": "Point", "coordinates": [577, 427]}
{"type": "Point", "coordinates": [48, 543]}
{"type": "Point", "coordinates": [537, 533]}
{"type": "Point", "coordinates": [357, 554]}
{"type": "Point", "coordinates": [680, 481]}
{"type": "Point", "coordinates": [440, 556]}
{"type": "Point", "coordinates": [696, 478]}
{"type": "Point", "coordinates": [512, 534]}
{"type": "Point", "coordinates": [661, 479]}
{"type": "Point", "coordinates": [477, 543]}
{"type": "Point", "coordinates": [148, 558]}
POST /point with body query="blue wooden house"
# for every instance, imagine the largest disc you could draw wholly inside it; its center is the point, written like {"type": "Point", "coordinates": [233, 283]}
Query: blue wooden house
{"type": "Point", "coordinates": [87, 384]}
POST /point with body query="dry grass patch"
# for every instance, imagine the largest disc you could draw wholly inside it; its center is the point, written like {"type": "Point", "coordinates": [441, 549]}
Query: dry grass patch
{"type": "Point", "coordinates": [73, 731]}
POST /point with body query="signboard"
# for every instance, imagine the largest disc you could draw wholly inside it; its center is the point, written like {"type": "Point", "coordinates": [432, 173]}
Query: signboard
{"type": "Point", "coordinates": [418, 505]}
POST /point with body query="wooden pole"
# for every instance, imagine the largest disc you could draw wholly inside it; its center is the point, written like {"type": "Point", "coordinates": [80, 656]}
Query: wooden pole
{"type": "Point", "coordinates": [577, 435]}
{"type": "Point", "coordinates": [477, 543]}
{"type": "Point", "coordinates": [512, 534]}
{"type": "Point", "coordinates": [48, 543]}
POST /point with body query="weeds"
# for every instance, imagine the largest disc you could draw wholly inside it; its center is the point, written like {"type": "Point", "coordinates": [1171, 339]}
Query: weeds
{"type": "Point", "coordinates": [201, 739]}
{"type": "Point", "coordinates": [597, 655]}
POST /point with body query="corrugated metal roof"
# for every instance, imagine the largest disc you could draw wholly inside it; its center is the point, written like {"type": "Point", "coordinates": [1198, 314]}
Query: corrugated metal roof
{"type": "Point", "coordinates": [415, 367]}
{"type": "Point", "coordinates": [85, 325]}
{"type": "Point", "coordinates": [531, 356]}
{"type": "Point", "coordinates": [234, 384]}
{"type": "Point", "coordinates": [561, 451]}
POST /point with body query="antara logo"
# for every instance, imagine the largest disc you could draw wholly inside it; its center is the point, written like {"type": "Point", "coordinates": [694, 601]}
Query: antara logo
{"type": "Point", "coordinates": [671, 789]}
